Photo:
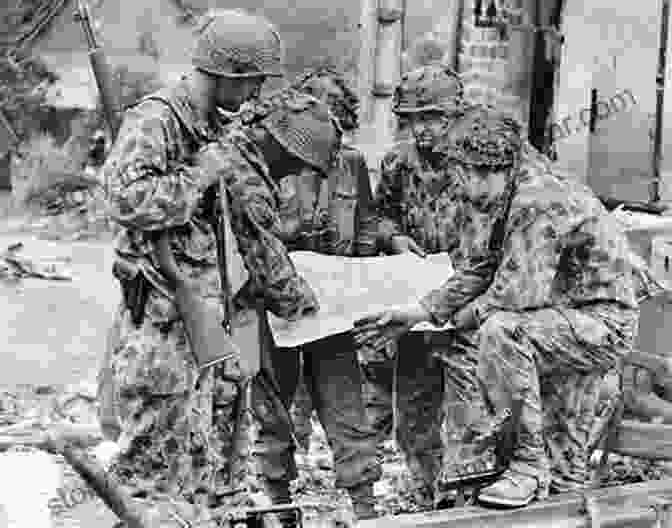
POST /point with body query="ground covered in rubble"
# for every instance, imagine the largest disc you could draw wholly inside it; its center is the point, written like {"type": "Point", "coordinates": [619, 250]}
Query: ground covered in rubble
{"type": "Point", "coordinates": [59, 298]}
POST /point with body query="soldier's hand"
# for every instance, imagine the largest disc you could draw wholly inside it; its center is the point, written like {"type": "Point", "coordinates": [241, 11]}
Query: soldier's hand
{"type": "Point", "coordinates": [405, 244]}
{"type": "Point", "coordinates": [210, 160]}
{"type": "Point", "coordinates": [465, 318]}
{"type": "Point", "coordinates": [377, 330]}
{"type": "Point", "coordinates": [167, 263]}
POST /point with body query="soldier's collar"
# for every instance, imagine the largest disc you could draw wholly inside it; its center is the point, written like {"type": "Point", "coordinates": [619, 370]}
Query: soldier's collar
{"type": "Point", "coordinates": [253, 155]}
{"type": "Point", "coordinates": [206, 129]}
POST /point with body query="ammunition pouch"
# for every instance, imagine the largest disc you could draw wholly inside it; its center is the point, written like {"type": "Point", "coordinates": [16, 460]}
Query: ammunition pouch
{"type": "Point", "coordinates": [134, 287]}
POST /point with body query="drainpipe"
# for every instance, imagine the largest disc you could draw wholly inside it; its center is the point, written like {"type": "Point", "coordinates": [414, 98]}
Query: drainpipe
{"type": "Point", "coordinates": [660, 94]}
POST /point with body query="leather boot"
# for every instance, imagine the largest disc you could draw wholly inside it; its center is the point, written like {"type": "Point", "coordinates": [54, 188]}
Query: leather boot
{"type": "Point", "coordinates": [278, 492]}
{"type": "Point", "coordinates": [363, 501]}
{"type": "Point", "coordinates": [511, 490]}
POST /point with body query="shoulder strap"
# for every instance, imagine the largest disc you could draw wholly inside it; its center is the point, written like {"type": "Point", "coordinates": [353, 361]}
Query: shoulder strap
{"type": "Point", "coordinates": [163, 97]}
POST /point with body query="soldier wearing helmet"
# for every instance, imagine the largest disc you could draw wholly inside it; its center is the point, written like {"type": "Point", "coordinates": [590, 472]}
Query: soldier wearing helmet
{"type": "Point", "coordinates": [412, 205]}
{"type": "Point", "coordinates": [163, 170]}
{"type": "Point", "coordinates": [324, 215]}
{"type": "Point", "coordinates": [233, 55]}
{"type": "Point", "coordinates": [542, 305]}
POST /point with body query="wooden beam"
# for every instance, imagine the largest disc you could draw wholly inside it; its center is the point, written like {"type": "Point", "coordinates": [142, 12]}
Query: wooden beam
{"type": "Point", "coordinates": [659, 364]}
{"type": "Point", "coordinates": [617, 507]}
{"type": "Point", "coordinates": [651, 441]}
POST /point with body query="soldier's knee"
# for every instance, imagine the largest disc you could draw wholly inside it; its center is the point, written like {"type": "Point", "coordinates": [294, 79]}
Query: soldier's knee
{"type": "Point", "coordinates": [499, 327]}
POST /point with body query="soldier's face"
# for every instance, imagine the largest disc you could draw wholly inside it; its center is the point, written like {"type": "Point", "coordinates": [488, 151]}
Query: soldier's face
{"type": "Point", "coordinates": [484, 186]}
{"type": "Point", "coordinates": [230, 93]}
{"type": "Point", "coordinates": [427, 128]}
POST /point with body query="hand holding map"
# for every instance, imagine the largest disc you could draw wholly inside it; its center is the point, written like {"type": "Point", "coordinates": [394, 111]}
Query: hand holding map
{"type": "Point", "coordinates": [351, 288]}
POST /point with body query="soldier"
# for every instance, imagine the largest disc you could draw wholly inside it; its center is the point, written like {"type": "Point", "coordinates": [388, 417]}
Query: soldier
{"type": "Point", "coordinates": [329, 86]}
{"type": "Point", "coordinates": [176, 433]}
{"type": "Point", "coordinates": [542, 300]}
{"type": "Point", "coordinates": [410, 202]}
{"type": "Point", "coordinates": [222, 78]}
{"type": "Point", "coordinates": [323, 215]}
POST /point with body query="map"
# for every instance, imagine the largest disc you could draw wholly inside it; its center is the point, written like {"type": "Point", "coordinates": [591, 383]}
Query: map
{"type": "Point", "coordinates": [350, 288]}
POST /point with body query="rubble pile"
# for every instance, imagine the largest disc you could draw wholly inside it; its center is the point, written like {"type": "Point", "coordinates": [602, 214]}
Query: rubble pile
{"type": "Point", "coordinates": [28, 412]}
{"type": "Point", "coordinates": [14, 266]}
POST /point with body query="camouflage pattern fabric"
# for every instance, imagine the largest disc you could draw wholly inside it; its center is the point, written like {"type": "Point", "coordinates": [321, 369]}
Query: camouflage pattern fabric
{"type": "Point", "coordinates": [176, 436]}
{"type": "Point", "coordinates": [560, 303]}
{"type": "Point", "coordinates": [561, 274]}
{"type": "Point", "coordinates": [555, 359]}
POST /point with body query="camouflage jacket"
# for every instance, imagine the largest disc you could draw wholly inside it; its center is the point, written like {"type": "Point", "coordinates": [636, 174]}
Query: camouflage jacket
{"type": "Point", "coordinates": [560, 248]}
{"type": "Point", "coordinates": [157, 184]}
{"type": "Point", "coordinates": [414, 197]}
{"type": "Point", "coordinates": [328, 216]}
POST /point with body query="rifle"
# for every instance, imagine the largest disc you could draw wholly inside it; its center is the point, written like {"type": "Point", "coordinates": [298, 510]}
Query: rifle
{"type": "Point", "coordinates": [101, 70]}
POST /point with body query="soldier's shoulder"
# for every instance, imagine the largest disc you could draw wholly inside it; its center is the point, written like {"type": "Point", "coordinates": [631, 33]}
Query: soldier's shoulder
{"type": "Point", "coordinates": [165, 104]}
{"type": "Point", "coordinates": [545, 186]}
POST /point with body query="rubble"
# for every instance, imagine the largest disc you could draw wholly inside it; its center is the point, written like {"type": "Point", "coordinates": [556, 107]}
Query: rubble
{"type": "Point", "coordinates": [14, 266]}
{"type": "Point", "coordinates": [34, 408]}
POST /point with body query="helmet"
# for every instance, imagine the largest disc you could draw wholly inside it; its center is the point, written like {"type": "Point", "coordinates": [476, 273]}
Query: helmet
{"type": "Point", "coordinates": [304, 126]}
{"type": "Point", "coordinates": [432, 87]}
{"type": "Point", "coordinates": [330, 86]}
{"type": "Point", "coordinates": [234, 43]}
{"type": "Point", "coordinates": [484, 136]}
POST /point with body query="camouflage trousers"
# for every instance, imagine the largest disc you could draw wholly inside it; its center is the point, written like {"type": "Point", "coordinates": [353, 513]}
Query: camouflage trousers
{"type": "Point", "coordinates": [556, 360]}
{"type": "Point", "coordinates": [175, 434]}
{"type": "Point", "coordinates": [334, 382]}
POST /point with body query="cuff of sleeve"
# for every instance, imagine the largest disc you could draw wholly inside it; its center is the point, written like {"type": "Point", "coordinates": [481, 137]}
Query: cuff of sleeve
{"type": "Point", "coordinates": [301, 302]}
{"type": "Point", "coordinates": [387, 230]}
{"type": "Point", "coordinates": [432, 303]}
{"type": "Point", "coordinates": [481, 310]}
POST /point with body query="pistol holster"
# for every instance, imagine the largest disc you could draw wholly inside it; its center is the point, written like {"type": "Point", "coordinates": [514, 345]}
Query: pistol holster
{"type": "Point", "coordinates": [134, 287]}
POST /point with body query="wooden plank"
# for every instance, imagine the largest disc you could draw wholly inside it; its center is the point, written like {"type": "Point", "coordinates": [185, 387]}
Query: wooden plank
{"type": "Point", "coordinates": [644, 440]}
{"type": "Point", "coordinates": [660, 364]}
{"type": "Point", "coordinates": [619, 507]}
{"type": "Point", "coordinates": [649, 406]}
{"type": "Point", "coordinates": [27, 434]}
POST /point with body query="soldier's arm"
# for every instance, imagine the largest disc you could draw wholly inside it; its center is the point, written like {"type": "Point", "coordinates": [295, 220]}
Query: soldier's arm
{"type": "Point", "coordinates": [256, 224]}
{"type": "Point", "coordinates": [386, 212]}
{"type": "Point", "coordinates": [147, 192]}
{"type": "Point", "coordinates": [366, 243]}
{"type": "Point", "coordinates": [524, 276]}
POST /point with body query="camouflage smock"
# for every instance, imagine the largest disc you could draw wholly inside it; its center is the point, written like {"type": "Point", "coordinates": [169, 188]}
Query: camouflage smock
{"type": "Point", "coordinates": [561, 248]}
{"type": "Point", "coordinates": [176, 436]}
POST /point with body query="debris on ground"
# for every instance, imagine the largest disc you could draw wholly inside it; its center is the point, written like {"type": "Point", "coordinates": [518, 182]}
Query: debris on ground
{"type": "Point", "coordinates": [34, 408]}
{"type": "Point", "coordinates": [14, 266]}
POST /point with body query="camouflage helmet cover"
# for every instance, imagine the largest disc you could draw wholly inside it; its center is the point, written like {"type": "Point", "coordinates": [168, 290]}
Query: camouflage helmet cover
{"type": "Point", "coordinates": [432, 87]}
{"type": "Point", "coordinates": [302, 124]}
{"type": "Point", "coordinates": [484, 136]}
{"type": "Point", "coordinates": [234, 43]}
{"type": "Point", "coordinates": [331, 87]}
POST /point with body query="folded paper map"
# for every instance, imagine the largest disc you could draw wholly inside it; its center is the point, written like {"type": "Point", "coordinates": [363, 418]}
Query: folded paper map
{"type": "Point", "coordinates": [350, 288]}
{"type": "Point", "coordinates": [653, 224]}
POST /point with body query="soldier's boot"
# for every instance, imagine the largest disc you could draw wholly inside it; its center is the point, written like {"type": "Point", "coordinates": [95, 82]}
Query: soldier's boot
{"type": "Point", "coordinates": [527, 477]}
{"type": "Point", "coordinates": [278, 492]}
{"type": "Point", "coordinates": [512, 490]}
{"type": "Point", "coordinates": [363, 501]}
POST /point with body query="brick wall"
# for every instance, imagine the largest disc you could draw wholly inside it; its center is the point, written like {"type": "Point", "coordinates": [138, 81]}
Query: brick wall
{"type": "Point", "coordinates": [485, 59]}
